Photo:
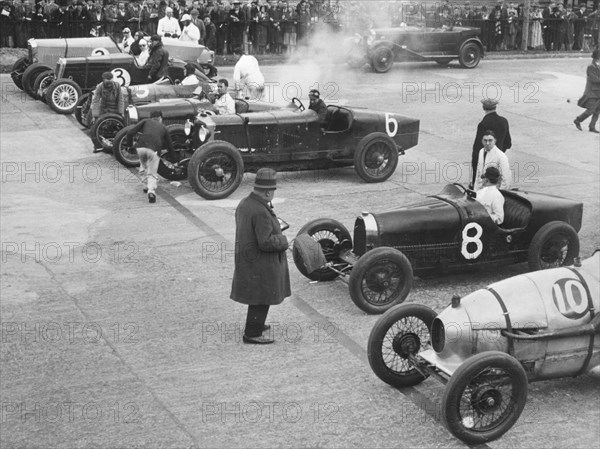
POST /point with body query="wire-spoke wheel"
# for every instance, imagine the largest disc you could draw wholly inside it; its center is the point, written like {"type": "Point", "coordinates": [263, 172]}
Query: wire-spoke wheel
{"type": "Point", "coordinates": [177, 169]}
{"type": "Point", "coordinates": [105, 129]}
{"type": "Point", "coordinates": [376, 157]}
{"type": "Point", "coordinates": [329, 234]}
{"type": "Point", "coordinates": [215, 170]}
{"type": "Point", "coordinates": [401, 332]}
{"type": "Point", "coordinates": [484, 397]}
{"type": "Point", "coordinates": [62, 96]}
{"type": "Point", "coordinates": [381, 279]}
{"type": "Point", "coordinates": [554, 245]}
{"type": "Point", "coordinates": [126, 154]}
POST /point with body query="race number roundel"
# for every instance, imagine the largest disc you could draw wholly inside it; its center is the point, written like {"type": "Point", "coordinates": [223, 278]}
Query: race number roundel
{"type": "Point", "coordinates": [99, 51]}
{"type": "Point", "coordinates": [472, 246]}
{"type": "Point", "coordinates": [121, 76]}
{"type": "Point", "coordinates": [570, 298]}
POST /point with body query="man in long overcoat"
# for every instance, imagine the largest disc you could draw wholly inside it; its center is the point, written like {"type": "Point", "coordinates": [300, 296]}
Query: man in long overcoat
{"type": "Point", "coordinates": [261, 277]}
{"type": "Point", "coordinates": [491, 121]}
{"type": "Point", "coordinates": [591, 95]}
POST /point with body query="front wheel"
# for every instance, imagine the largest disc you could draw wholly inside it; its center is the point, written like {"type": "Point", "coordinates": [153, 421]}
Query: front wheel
{"type": "Point", "coordinates": [17, 71]}
{"type": "Point", "coordinates": [126, 154]}
{"type": "Point", "coordinates": [469, 55]}
{"type": "Point", "coordinates": [329, 234]}
{"type": "Point", "coordinates": [555, 244]}
{"type": "Point", "coordinates": [41, 83]}
{"type": "Point", "coordinates": [29, 76]}
{"type": "Point", "coordinates": [215, 170]}
{"type": "Point", "coordinates": [105, 129]}
{"type": "Point", "coordinates": [82, 110]}
{"type": "Point", "coordinates": [381, 279]}
{"type": "Point", "coordinates": [484, 397]}
{"type": "Point", "coordinates": [375, 158]}
{"type": "Point", "coordinates": [62, 95]}
{"type": "Point", "coordinates": [382, 59]}
{"type": "Point", "coordinates": [401, 332]}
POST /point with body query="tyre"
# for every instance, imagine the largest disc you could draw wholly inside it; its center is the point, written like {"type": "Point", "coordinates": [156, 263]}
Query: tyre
{"type": "Point", "coordinates": [62, 95]}
{"type": "Point", "coordinates": [382, 59]}
{"type": "Point", "coordinates": [484, 397]}
{"type": "Point", "coordinates": [124, 153]}
{"type": "Point", "coordinates": [469, 55]}
{"type": "Point", "coordinates": [29, 76]}
{"type": "Point", "coordinates": [82, 110]}
{"type": "Point", "coordinates": [381, 279]}
{"type": "Point", "coordinates": [17, 71]}
{"type": "Point", "coordinates": [329, 234]}
{"type": "Point", "coordinates": [376, 157]}
{"type": "Point", "coordinates": [555, 244]}
{"type": "Point", "coordinates": [176, 170]}
{"type": "Point", "coordinates": [215, 170]}
{"type": "Point", "coordinates": [41, 83]}
{"type": "Point", "coordinates": [104, 130]}
{"type": "Point", "coordinates": [402, 331]}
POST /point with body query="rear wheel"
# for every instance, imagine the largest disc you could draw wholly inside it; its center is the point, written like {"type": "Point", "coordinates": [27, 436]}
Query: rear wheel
{"type": "Point", "coordinates": [469, 55]}
{"type": "Point", "coordinates": [29, 76]}
{"type": "Point", "coordinates": [104, 130]}
{"type": "Point", "coordinates": [375, 158]}
{"type": "Point", "coordinates": [382, 59]}
{"type": "Point", "coordinates": [215, 170]}
{"type": "Point", "coordinates": [62, 95]}
{"type": "Point", "coordinates": [126, 154]}
{"type": "Point", "coordinates": [176, 170]}
{"type": "Point", "coordinates": [556, 244]}
{"type": "Point", "coordinates": [329, 234]}
{"type": "Point", "coordinates": [484, 397]}
{"type": "Point", "coordinates": [381, 279]}
{"type": "Point", "coordinates": [401, 332]}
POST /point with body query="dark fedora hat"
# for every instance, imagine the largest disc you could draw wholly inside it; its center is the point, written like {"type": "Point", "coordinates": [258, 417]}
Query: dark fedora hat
{"type": "Point", "coordinates": [266, 179]}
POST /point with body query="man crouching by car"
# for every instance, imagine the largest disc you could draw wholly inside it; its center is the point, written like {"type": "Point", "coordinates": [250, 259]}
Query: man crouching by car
{"type": "Point", "coordinates": [153, 137]}
{"type": "Point", "coordinates": [107, 97]}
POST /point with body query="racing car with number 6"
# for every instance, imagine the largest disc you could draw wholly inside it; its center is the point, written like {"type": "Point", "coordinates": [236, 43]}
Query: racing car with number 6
{"type": "Point", "coordinates": [445, 232]}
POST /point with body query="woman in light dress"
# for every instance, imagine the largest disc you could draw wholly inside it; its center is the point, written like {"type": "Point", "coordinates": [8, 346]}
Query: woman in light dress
{"type": "Point", "coordinates": [535, 29]}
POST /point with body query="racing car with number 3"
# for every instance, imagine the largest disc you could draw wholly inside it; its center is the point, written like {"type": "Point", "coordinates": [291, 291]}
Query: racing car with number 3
{"type": "Point", "coordinates": [486, 346]}
{"type": "Point", "coordinates": [445, 232]}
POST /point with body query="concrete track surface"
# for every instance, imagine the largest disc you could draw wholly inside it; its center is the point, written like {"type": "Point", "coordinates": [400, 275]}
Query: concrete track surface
{"type": "Point", "coordinates": [117, 330]}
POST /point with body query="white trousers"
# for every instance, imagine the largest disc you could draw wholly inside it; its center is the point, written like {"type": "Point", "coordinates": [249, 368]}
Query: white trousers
{"type": "Point", "coordinates": [149, 167]}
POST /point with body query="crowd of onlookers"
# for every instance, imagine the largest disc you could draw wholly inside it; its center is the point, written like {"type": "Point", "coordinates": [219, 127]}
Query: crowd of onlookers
{"type": "Point", "coordinates": [277, 26]}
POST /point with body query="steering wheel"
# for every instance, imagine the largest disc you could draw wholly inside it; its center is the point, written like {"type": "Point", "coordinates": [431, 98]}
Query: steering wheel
{"type": "Point", "coordinates": [298, 104]}
{"type": "Point", "coordinates": [470, 193]}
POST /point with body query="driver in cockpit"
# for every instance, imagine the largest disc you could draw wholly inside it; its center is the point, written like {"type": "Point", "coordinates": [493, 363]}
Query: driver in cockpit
{"type": "Point", "coordinates": [317, 105]}
{"type": "Point", "coordinates": [489, 195]}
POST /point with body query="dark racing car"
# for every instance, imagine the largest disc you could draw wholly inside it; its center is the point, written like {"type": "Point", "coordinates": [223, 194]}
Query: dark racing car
{"type": "Point", "coordinates": [223, 147]}
{"type": "Point", "coordinates": [382, 46]}
{"type": "Point", "coordinates": [445, 232]}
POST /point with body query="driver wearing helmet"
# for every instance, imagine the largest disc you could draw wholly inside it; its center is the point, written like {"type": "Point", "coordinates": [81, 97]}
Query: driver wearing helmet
{"type": "Point", "coordinates": [317, 105]}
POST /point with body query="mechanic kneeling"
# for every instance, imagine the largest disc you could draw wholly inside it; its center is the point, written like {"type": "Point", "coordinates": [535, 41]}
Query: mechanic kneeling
{"type": "Point", "coordinates": [489, 195]}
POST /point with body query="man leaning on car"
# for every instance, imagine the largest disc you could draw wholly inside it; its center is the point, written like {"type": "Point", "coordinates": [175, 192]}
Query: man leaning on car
{"type": "Point", "coordinates": [158, 61]}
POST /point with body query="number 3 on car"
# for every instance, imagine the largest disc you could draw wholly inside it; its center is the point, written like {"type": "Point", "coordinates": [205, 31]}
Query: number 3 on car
{"type": "Point", "coordinates": [121, 76]}
{"type": "Point", "coordinates": [472, 246]}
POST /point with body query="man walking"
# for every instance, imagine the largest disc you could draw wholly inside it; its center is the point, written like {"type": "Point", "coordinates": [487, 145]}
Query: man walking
{"type": "Point", "coordinates": [494, 122]}
{"type": "Point", "coordinates": [153, 137]}
{"type": "Point", "coordinates": [261, 277]}
{"type": "Point", "coordinates": [590, 100]}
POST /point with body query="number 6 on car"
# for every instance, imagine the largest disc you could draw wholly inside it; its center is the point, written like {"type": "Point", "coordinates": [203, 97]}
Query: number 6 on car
{"type": "Point", "coordinates": [446, 232]}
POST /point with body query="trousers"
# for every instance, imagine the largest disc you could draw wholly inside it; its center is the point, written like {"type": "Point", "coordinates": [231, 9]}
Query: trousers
{"type": "Point", "coordinates": [255, 320]}
{"type": "Point", "coordinates": [149, 161]}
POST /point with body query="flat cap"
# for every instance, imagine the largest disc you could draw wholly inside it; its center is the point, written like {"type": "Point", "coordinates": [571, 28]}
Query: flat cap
{"type": "Point", "coordinates": [107, 76]}
{"type": "Point", "coordinates": [488, 103]}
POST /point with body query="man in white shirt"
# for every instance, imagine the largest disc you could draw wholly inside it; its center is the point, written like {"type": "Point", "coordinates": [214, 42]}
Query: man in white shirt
{"type": "Point", "coordinates": [168, 26]}
{"type": "Point", "coordinates": [490, 197]}
{"type": "Point", "coordinates": [491, 156]}
{"type": "Point", "coordinates": [190, 32]}
{"type": "Point", "coordinates": [247, 76]}
{"type": "Point", "coordinates": [224, 104]}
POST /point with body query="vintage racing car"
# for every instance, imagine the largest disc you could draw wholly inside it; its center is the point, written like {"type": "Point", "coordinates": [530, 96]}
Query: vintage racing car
{"type": "Point", "coordinates": [73, 76]}
{"type": "Point", "coordinates": [223, 147]}
{"type": "Point", "coordinates": [445, 232]}
{"type": "Point", "coordinates": [382, 46]}
{"type": "Point", "coordinates": [487, 345]}
{"type": "Point", "coordinates": [43, 55]}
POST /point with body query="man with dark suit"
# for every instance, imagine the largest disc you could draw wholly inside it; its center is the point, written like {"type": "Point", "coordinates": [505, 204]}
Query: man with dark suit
{"type": "Point", "coordinates": [491, 121]}
{"type": "Point", "coordinates": [591, 95]}
{"type": "Point", "coordinates": [261, 277]}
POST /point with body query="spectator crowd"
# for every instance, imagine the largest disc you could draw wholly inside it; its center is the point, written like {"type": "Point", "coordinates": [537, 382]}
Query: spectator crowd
{"type": "Point", "coordinates": [277, 26]}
